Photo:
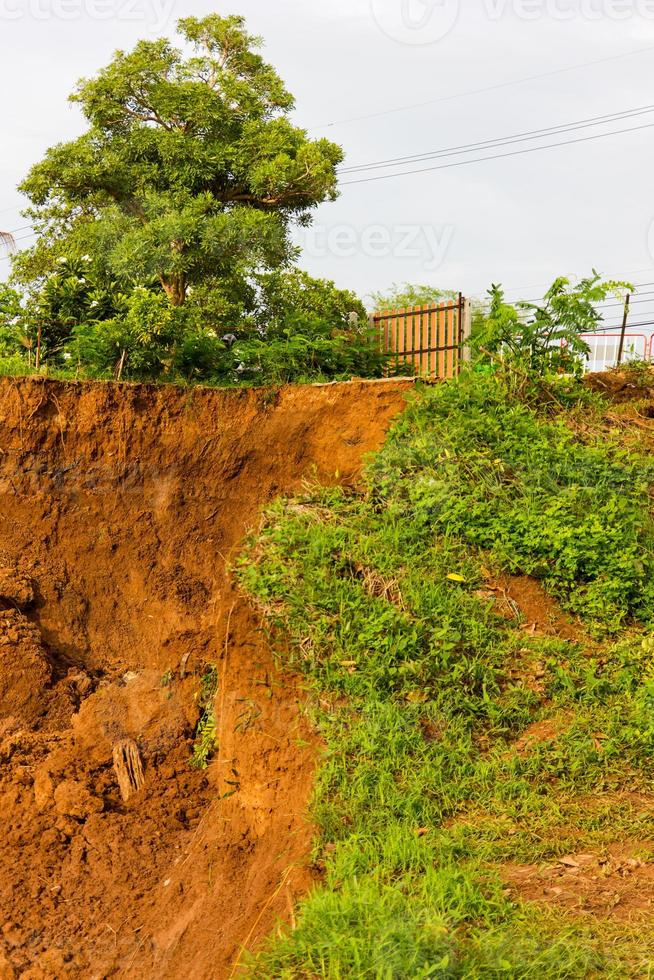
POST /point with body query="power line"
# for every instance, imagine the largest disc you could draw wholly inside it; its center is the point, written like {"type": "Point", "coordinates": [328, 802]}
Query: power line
{"type": "Point", "coordinates": [496, 156]}
{"type": "Point", "coordinates": [503, 140]}
{"type": "Point", "coordinates": [606, 305]}
{"type": "Point", "coordinates": [14, 231]}
{"type": "Point", "coordinates": [23, 238]}
{"type": "Point", "coordinates": [534, 285]}
{"type": "Point", "coordinates": [618, 326]}
{"type": "Point", "coordinates": [607, 302]}
{"type": "Point", "coordinates": [484, 89]}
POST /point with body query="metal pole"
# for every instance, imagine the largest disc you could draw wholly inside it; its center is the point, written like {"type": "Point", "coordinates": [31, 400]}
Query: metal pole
{"type": "Point", "coordinates": [624, 329]}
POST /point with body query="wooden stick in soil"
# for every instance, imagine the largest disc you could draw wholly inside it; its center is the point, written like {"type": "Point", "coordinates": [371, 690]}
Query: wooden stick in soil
{"type": "Point", "coordinates": [624, 329]}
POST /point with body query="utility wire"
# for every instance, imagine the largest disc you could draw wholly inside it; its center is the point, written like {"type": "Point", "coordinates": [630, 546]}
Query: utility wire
{"type": "Point", "coordinates": [617, 327]}
{"type": "Point", "coordinates": [484, 89]}
{"type": "Point", "coordinates": [496, 156]}
{"type": "Point", "coordinates": [503, 140]}
{"type": "Point", "coordinates": [23, 238]}
{"type": "Point", "coordinates": [534, 285]}
{"type": "Point", "coordinates": [14, 231]}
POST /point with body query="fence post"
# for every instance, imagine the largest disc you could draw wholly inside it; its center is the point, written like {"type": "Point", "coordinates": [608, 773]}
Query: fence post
{"type": "Point", "coordinates": [466, 330]}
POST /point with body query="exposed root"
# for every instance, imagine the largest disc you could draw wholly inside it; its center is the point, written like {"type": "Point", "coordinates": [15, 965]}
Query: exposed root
{"type": "Point", "coordinates": [128, 768]}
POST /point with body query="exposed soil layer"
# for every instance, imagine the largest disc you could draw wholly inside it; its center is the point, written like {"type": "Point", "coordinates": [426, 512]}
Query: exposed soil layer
{"type": "Point", "coordinates": [623, 384]}
{"type": "Point", "coordinates": [519, 596]}
{"type": "Point", "coordinates": [120, 508]}
{"type": "Point", "coordinates": [617, 883]}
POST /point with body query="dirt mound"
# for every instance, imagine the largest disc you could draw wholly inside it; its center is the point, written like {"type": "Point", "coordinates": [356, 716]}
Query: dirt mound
{"type": "Point", "coordinates": [524, 597]}
{"type": "Point", "coordinates": [120, 510]}
{"type": "Point", "coordinates": [623, 384]}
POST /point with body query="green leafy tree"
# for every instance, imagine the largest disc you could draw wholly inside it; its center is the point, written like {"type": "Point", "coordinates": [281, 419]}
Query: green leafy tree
{"type": "Point", "coordinates": [548, 335]}
{"type": "Point", "coordinates": [190, 170]}
{"type": "Point", "coordinates": [293, 293]}
{"type": "Point", "coordinates": [295, 328]}
{"type": "Point", "coordinates": [399, 297]}
{"type": "Point", "coordinates": [72, 294]}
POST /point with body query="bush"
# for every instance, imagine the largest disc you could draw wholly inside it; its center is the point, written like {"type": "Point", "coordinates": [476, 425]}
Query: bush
{"type": "Point", "coordinates": [547, 336]}
{"type": "Point", "coordinates": [152, 340]}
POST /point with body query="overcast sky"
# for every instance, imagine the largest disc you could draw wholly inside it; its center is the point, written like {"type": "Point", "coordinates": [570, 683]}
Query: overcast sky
{"type": "Point", "coordinates": [520, 220]}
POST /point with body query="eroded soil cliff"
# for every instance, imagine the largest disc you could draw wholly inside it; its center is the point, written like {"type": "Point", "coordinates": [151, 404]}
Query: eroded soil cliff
{"type": "Point", "coordinates": [120, 510]}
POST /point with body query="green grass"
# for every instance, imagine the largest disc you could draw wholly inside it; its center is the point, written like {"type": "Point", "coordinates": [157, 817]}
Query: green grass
{"type": "Point", "coordinates": [421, 794]}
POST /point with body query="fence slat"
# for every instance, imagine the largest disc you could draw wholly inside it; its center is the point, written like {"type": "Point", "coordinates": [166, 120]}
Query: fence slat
{"type": "Point", "coordinates": [429, 338]}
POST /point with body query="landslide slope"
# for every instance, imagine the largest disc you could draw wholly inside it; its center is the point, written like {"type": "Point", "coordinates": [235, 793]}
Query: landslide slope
{"type": "Point", "coordinates": [120, 509]}
{"type": "Point", "coordinates": [476, 625]}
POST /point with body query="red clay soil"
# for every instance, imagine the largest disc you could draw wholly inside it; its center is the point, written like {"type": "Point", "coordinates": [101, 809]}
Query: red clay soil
{"type": "Point", "coordinates": [623, 384]}
{"type": "Point", "coordinates": [519, 596]}
{"type": "Point", "coordinates": [120, 508]}
{"type": "Point", "coordinates": [616, 884]}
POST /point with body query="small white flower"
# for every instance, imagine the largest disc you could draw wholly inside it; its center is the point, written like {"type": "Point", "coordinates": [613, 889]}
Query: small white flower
{"type": "Point", "coordinates": [62, 261]}
{"type": "Point", "coordinates": [67, 356]}
{"type": "Point", "coordinates": [94, 303]}
{"type": "Point", "coordinates": [86, 258]}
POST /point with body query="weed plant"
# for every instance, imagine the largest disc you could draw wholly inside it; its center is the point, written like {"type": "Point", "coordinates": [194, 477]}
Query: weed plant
{"type": "Point", "coordinates": [206, 738]}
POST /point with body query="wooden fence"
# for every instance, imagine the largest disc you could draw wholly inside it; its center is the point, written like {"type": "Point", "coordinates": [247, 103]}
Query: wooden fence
{"type": "Point", "coordinates": [430, 339]}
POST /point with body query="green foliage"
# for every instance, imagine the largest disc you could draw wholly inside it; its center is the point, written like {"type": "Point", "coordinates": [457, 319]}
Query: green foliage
{"type": "Point", "coordinates": [307, 337]}
{"type": "Point", "coordinates": [423, 689]}
{"type": "Point", "coordinates": [190, 169]}
{"type": "Point", "coordinates": [206, 737]}
{"type": "Point", "coordinates": [398, 297]}
{"type": "Point", "coordinates": [307, 348]}
{"type": "Point", "coordinates": [11, 316]}
{"type": "Point", "coordinates": [73, 294]}
{"type": "Point", "coordinates": [293, 294]}
{"type": "Point", "coordinates": [164, 231]}
{"type": "Point", "coordinates": [548, 336]}
{"type": "Point", "coordinates": [151, 339]}
{"type": "Point", "coordinates": [474, 463]}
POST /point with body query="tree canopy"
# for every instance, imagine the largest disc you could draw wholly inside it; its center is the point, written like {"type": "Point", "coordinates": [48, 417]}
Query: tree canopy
{"type": "Point", "coordinates": [189, 171]}
{"type": "Point", "coordinates": [400, 297]}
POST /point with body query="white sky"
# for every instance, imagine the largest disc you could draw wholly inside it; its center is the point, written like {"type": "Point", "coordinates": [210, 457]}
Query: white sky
{"type": "Point", "coordinates": [520, 221]}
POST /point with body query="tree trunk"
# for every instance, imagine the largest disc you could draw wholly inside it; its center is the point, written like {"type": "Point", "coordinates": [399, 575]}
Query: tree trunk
{"type": "Point", "coordinates": [175, 289]}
